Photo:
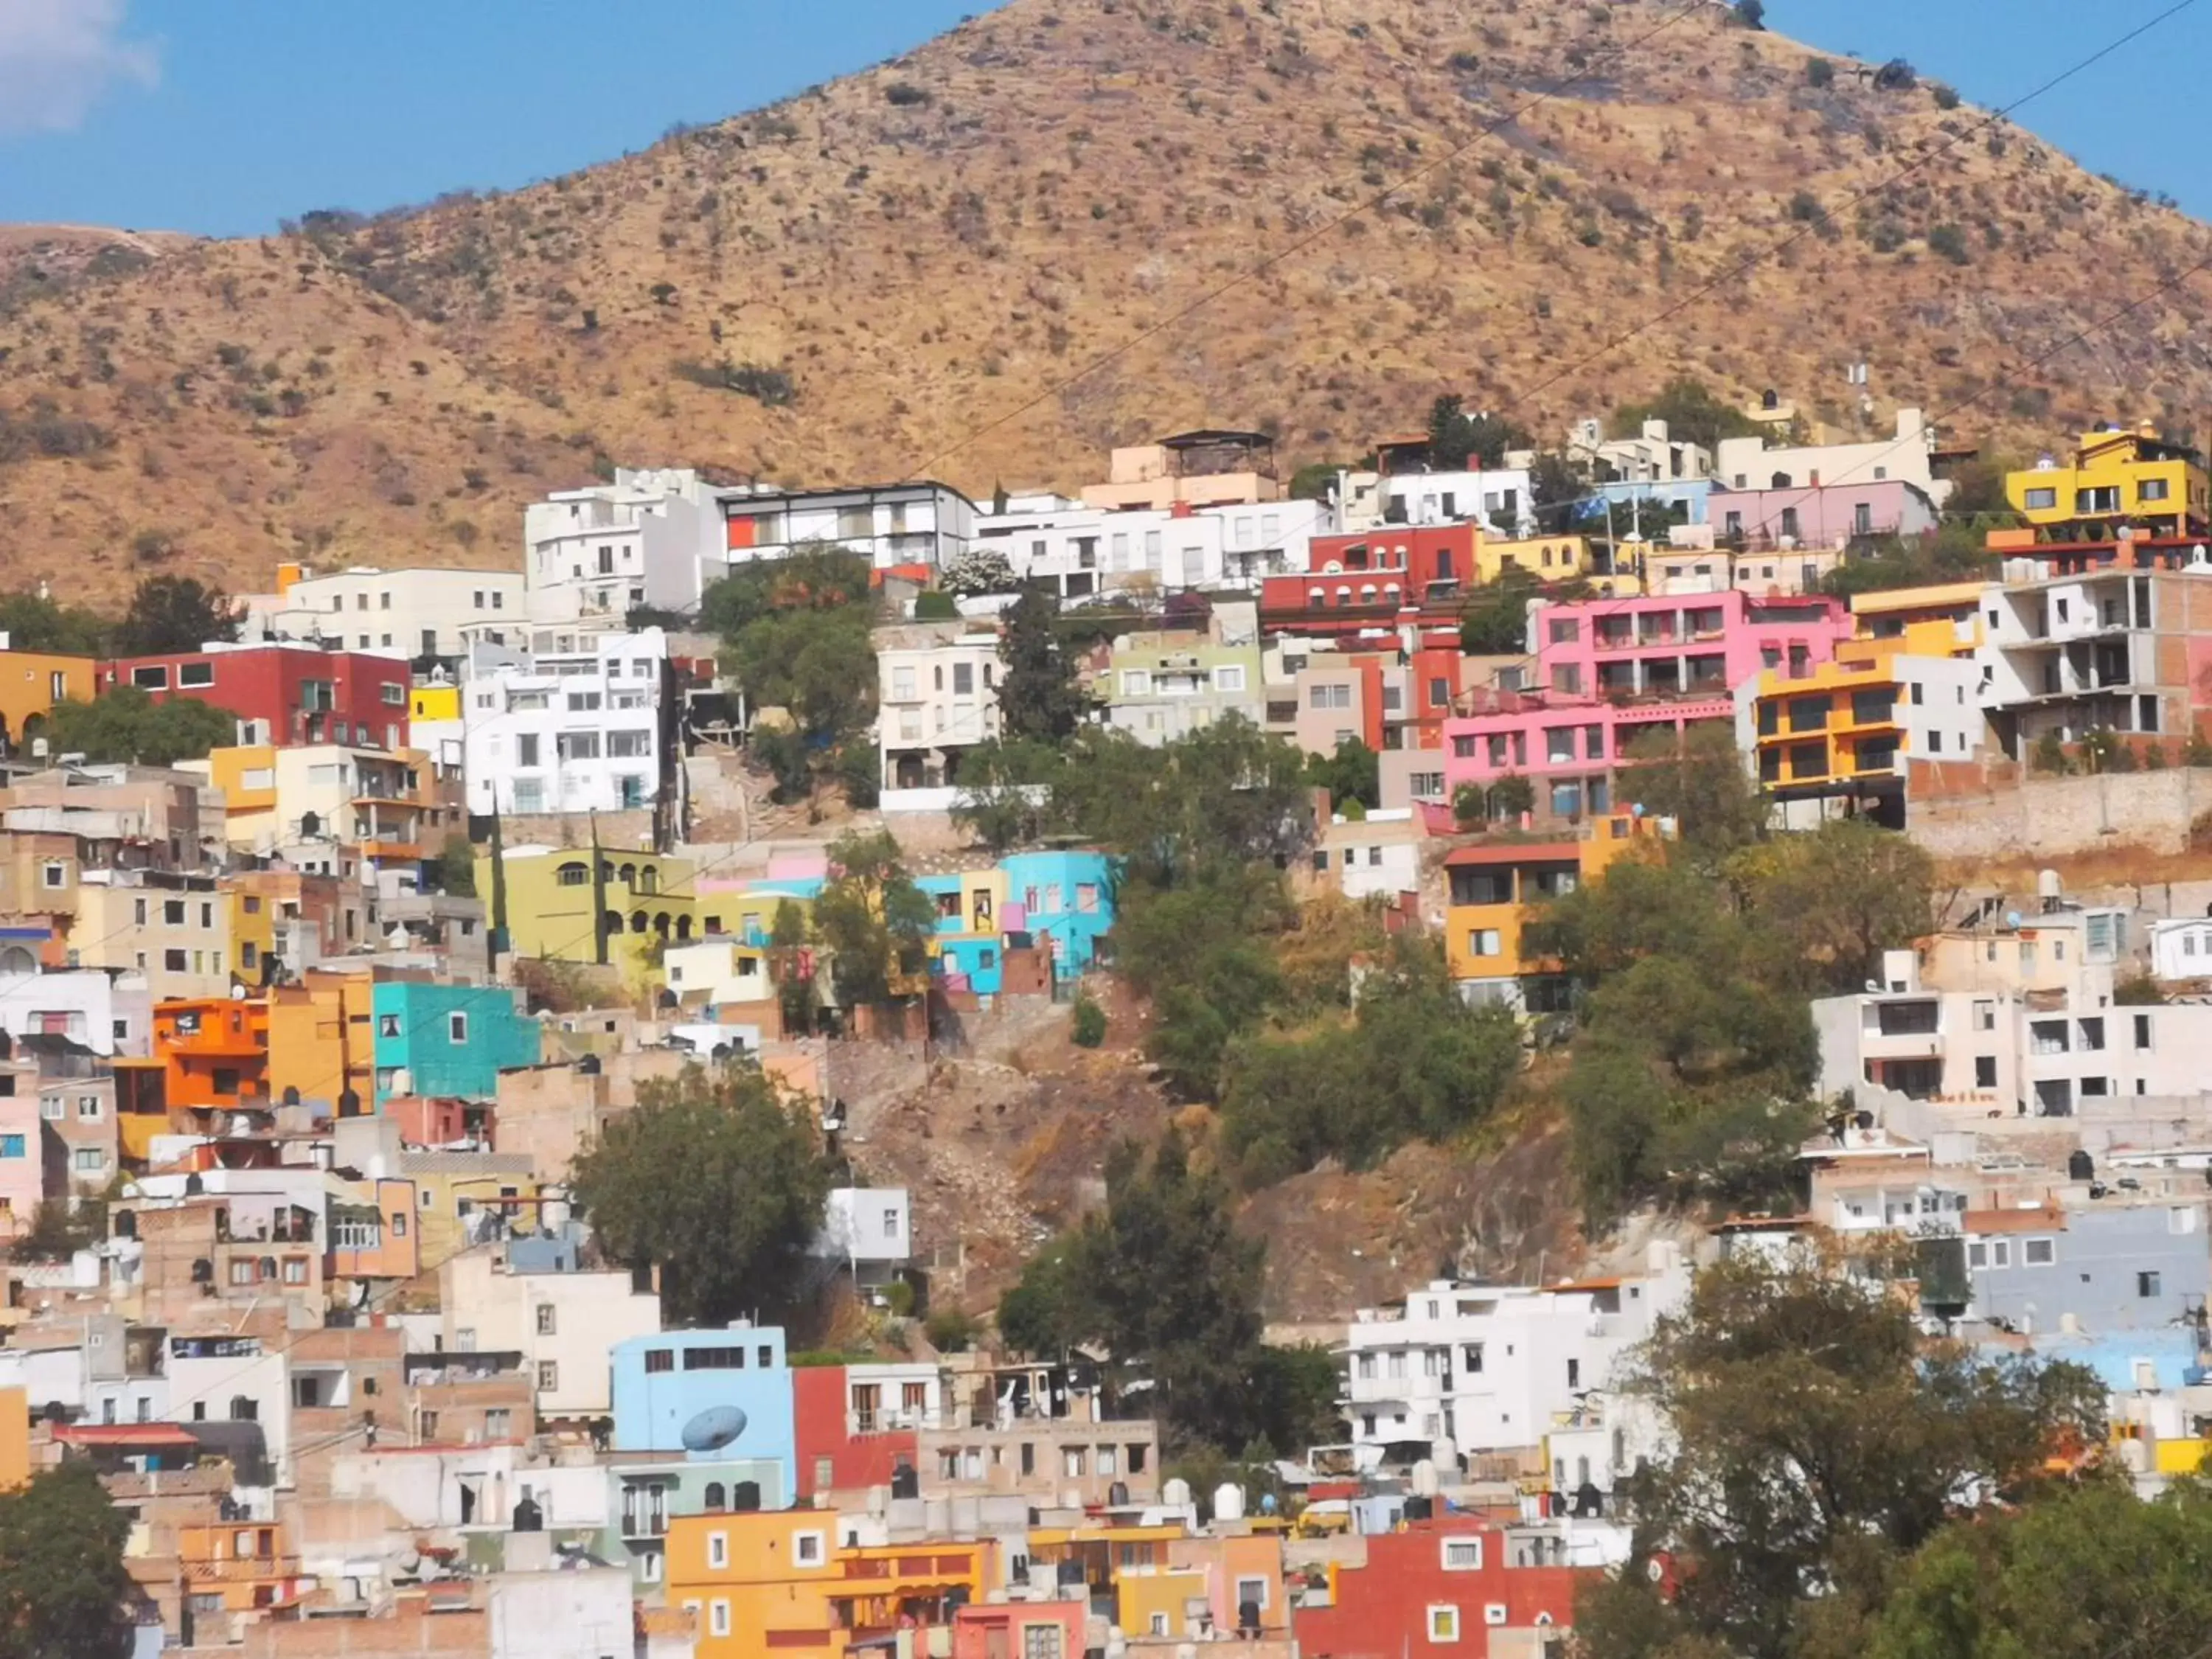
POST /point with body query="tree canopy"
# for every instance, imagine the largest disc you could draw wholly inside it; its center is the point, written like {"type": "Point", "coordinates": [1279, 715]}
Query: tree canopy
{"type": "Point", "coordinates": [1038, 698]}
{"type": "Point", "coordinates": [795, 636]}
{"type": "Point", "coordinates": [1693, 415]}
{"type": "Point", "coordinates": [125, 723]}
{"type": "Point", "coordinates": [1816, 1443]}
{"type": "Point", "coordinates": [64, 1591]}
{"type": "Point", "coordinates": [1457, 439]}
{"type": "Point", "coordinates": [1162, 1280]}
{"type": "Point", "coordinates": [875, 922]}
{"type": "Point", "coordinates": [174, 613]}
{"type": "Point", "coordinates": [34, 622]}
{"type": "Point", "coordinates": [718, 1179]}
{"type": "Point", "coordinates": [1352, 773]}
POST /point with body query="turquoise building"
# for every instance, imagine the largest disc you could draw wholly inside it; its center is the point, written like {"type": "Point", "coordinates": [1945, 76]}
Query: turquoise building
{"type": "Point", "coordinates": [448, 1039]}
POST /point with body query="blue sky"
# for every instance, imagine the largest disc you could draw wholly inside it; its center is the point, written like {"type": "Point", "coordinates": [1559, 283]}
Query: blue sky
{"type": "Point", "coordinates": [224, 116]}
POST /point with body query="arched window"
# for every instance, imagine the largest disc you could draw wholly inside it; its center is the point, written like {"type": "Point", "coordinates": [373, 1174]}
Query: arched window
{"type": "Point", "coordinates": [638, 921]}
{"type": "Point", "coordinates": [684, 927]}
{"type": "Point", "coordinates": [575, 874]}
{"type": "Point", "coordinates": [629, 873]}
{"type": "Point", "coordinates": [648, 879]}
{"type": "Point", "coordinates": [745, 1497]}
{"type": "Point", "coordinates": [717, 1499]}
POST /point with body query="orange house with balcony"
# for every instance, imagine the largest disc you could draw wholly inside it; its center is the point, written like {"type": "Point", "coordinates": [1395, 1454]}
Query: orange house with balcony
{"type": "Point", "coordinates": [210, 1054]}
{"type": "Point", "coordinates": [1496, 890]}
{"type": "Point", "coordinates": [250, 1565]}
{"type": "Point", "coordinates": [780, 1581]}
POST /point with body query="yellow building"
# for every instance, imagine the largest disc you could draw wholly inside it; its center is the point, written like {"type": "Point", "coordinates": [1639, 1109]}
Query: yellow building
{"type": "Point", "coordinates": [452, 1187]}
{"type": "Point", "coordinates": [1887, 613]}
{"type": "Point", "coordinates": [31, 684]}
{"type": "Point", "coordinates": [1548, 558]}
{"type": "Point", "coordinates": [1496, 890]}
{"type": "Point", "coordinates": [2115, 477]}
{"type": "Point", "coordinates": [14, 1438]}
{"type": "Point", "coordinates": [434, 703]}
{"type": "Point", "coordinates": [1849, 727]}
{"type": "Point", "coordinates": [173, 929]}
{"type": "Point", "coordinates": [322, 1039]}
{"type": "Point", "coordinates": [644, 900]}
{"type": "Point", "coordinates": [783, 1581]}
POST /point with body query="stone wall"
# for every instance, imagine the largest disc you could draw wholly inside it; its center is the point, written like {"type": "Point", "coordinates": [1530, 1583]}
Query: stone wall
{"type": "Point", "coordinates": [2043, 818]}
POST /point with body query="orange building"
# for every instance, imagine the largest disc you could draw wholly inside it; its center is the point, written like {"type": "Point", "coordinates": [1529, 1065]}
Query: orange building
{"type": "Point", "coordinates": [322, 1041]}
{"type": "Point", "coordinates": [14, 1438]}
{"type": "Point", "coordinates": [31, 684]}
{"type": "Point", "coordinates": [210, 1055]}
{"type": "Point", "coordinates": [1497, 888]}
{"type": "Point", "coordinates": [780, 1580]}
{"type": "Point", "coordinates": [244, 1564]}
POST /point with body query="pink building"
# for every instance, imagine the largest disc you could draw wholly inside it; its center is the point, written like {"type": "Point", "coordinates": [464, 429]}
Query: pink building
{"type": "Point", "coordinates": [22, 1159]}
{"type": "Point", "coordinates": [1677, 645]}
{"type": "Point", "coordinates": [1820, 515]}
{"type": "Point", "coordinates": [1568, 748]}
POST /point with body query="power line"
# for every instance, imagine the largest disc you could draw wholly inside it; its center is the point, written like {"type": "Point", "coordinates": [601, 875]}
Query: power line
{"type": "Point", "coordinates": [1311, 238]}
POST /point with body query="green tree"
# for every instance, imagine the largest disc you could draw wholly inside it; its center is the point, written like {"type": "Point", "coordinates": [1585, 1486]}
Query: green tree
{"type": "Point", "coordinates": [174, 613]}
{"type": "Point", "coordinates": [33, 622]}
{"type": "Point", "coordinates": [1495, 622]}
{"type": "Point", "coordinates": [454, 870]}
{"type": "Point", "coordinates": [718, 1179]}
{"type": "Point", "coordinates": [1693, 415]}
{"type": "Point", "coordinates": [1199, 951]}
{"type": "Point", "coordinates": [1819, 1442]}
{"type": "Point", "coordinates": [1227, 793]}
{"type": "Point", "coordinates": [1353, 771]}
{"type": "Point", "coordinates": [1163, 1282]}
{"type": "Point", "coordinates": [1824, 905]}
{"type": "Point", "coordinates": [1457, 439]}
{"type": "Point", "coordinates": [978, 571]}
{"type": "Point", "coordinates": [816, 664]}
{"type": "Point", "coordinates": [1038, 697]}
{"type": "Point", "coordinates": [874, 920]}
{"type": "Point", "coordinates": [64, 1590]}
{"type": "Point", "coordinates": [125, 723]}
{"type": "Point", "coordinates": [1702, 783]}
{"type": "Point", "coordinates": [814, 576]}
{"type": "Point", "coordinates": [1316, 480]}
{"type": "Point", "coordinates": [1004, 798]}
{"type": "Point", "coordinates": [2084, 1573]}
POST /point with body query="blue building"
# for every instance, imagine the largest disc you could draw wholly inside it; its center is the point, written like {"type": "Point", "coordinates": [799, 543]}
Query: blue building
{"type": "Point", "coordinates": [448, 1039]}
{"type": "Point", "coordinates": [665, 1383]}
{"type": "Point", "coordinates": [1067, 896]}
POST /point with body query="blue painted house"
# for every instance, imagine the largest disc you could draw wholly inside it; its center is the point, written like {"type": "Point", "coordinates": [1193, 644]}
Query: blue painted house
{"type": "Point", "coordinates": [1067, 896]}
{"type": "Point", "coordinates": [449, 1040]}
{"type": "Point", "coordinates": [663, 1382]}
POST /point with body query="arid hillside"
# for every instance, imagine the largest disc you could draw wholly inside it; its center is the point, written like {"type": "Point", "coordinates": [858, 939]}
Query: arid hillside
{"type": "Point", "coordinates": [899, 273]}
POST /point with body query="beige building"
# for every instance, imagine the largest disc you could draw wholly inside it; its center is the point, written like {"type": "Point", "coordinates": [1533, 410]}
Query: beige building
{"type": "Point", "coordinates": [174, 929]}
{"type": "Point", "coordinates": [1206, 468]}
{"type": "Point", "coordinates": [423, 612]}
{"type": "Point", "coordinates": [564, 1322]}
{"type": "Point", "coordinates": [938, 688]}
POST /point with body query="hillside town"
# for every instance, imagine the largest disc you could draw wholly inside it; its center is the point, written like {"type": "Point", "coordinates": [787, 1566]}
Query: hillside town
{"type": "Point", "coordinates": [380, 1050]}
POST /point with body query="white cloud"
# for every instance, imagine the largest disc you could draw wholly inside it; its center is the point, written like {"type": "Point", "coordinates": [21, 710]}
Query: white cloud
{"type": "Point", "coordinates": [57, 56]}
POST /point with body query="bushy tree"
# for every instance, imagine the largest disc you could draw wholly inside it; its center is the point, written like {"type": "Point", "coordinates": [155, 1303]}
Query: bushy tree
{"type": "Point", "coordinates": [64, 1590]}
{"type": "Point", "coordinates": [1824, 905]}
{"type": "Point", "coordinates": [125, 723]}
{"type": "Point", "coordinates": [1353, 771]}
{"type": "Point", "coordinates": [718, 1179]}
{"type": "Point", "coordinates": [1004, 798]}
{"type": "Point", "coordinates": [1165, 1284]}
{"type": "Point", "coordinates": [1458, 439]}
{"type": "Point", "coordinates": [1038, 698]}
{"type": "Point", "coordinates": [1817, 1441]}
{"type": "Point", "coordinates": [1701, 782]}
{"type": "Point", "coordinates": [1693, 414]}
{"type": "Point", "coordinates": [976, 571]}
{"type": "Point", "coordinates": [875, 922]}
{"type": "Point", "coordinates": [815, 576]}
{"type": "Point", "coordinates": [174, 613]}
{"type": "Point", "coordinates": [1495, 620]}
{"type": "Point", "coordinates": [1199, 952]}
{"type": "Point", "coordinates": [34, 622]}
{"type": "Point", "coordinates": [816, 664]}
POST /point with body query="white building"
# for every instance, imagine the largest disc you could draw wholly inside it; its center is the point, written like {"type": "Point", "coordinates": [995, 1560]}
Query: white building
{"type": "Point", "coordinates": [659, 538]}
{"type": "Point", "coordinates": [564, 1324]}
{"type": "Point", "coordinates": [1749, 463]}
{"type": "Point", "coordinates": [1472, 1369]}
{"type": "Point", "coordinates": [938, 692]}
{"type": "Point", "coordinates": [1377, 856]}
{"type": "Point", "coordinates": [425, 611]}
{"type": "Point", "coordinates": [1651, 457]}
{"type": "Point", "coordinates": [1497, 499]}
{"type": "Point", "coordinates": [2180, 948]}
{"type": "Point", "coordinates": [579, 730]}
{"type": "Point", "coordinates": [1084, 551]}
{"type": "Point", "coordinates": [109, 1012]}
{"type": "Point", "coordinates": [871, 1229]}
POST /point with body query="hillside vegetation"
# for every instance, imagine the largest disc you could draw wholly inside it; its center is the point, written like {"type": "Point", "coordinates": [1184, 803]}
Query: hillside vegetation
{"type": "Point", "coordinates": [876, 278]}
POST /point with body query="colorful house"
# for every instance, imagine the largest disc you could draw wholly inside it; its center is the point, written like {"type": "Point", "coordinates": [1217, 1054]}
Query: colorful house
{"type": "Point", "coordinates": [643, 900]}
{"type": "Point", "coordinates": [1663, 645]}
{"type": "Point", "coordinates": [448, 1039]}
{"type": "Point", "coordinates": [22, 1161]}
{"type": "Point", "coordinates": [322, 1041]}
{"type": "Point", "coordinates": [1569, 749]}
{"type": "Point", "coordinates": [786, 1582]}
{"type": "Point", "coordinates": [210, 1056]}
{"type": "Point", "coordinates": [31, 684]}
{"type": "Point", "coordinates": [282, 693]}
{"type": "Point", "coordinates": [665, 1383]}
{"type": "Point", "coordinates": [1495, 890]}
{"type": "Point", "coordinates": [2114, 477]}
{"type": "Point", "coordinates": [1462, 1584]}
{"type": "Point", "coordinates": [1844, 737]}
{"type": "Point", "coordinates": [1064, 898]}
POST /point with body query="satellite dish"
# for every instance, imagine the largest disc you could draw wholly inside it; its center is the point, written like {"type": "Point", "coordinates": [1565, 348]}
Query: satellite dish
{"type": "Point", "coordinates": [714, 1429]}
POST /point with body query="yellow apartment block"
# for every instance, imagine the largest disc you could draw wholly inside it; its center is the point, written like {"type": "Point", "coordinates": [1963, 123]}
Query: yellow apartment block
{"type": "Point", "coordinates": [1496, 890]}
{"type": "Point", "coordinates": [2113, 478]}
{"type": "Point", "coordinates": [1548, 558]}
{"type": "Point", "coordinates": [1851, 725]}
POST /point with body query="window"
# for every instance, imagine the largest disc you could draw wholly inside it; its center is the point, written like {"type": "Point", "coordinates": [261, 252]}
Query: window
{"type": "Point", "coordinates": [576, 745]}
{"type": "Point", "coordinates": [1462, 1555]}
{"type": "Point", "coordinates": [11, 1145]}
{"type": "Point", "coordinates": [659, 1359]}
{"type": "Point", "coordinates": [2142, 1030]}
{"type": "Point", "coordinates": [89, 1160]}
{"type": "Point", "coordinates": [1042, 1642]}
{"type": "Point", "coordinates": [546, 1319]}
{"type": "Point", "coordinates": [172, 913]}
{"type": "Point", "coordinates": [549, 1374]}
{"type": "Point", "coordinates": [2039, 1252]}
{"type": "Point", "coordinates": [150, 679]}
{"type": "Point", "coordinates": [52, 1108]}
{"type": "Point", "coordinates": [1443, 1623]}
{"type": "Point", "coordinates": [1229, 678]}
{"type": "Point", "coordinates": [2147, 1285]}
{"type": "Point", "coordinates": [1483, 942]}
{"type": "Point", "coordinates": [174, 961]}
{"type": "Point", "coordinates": [629, 745]}
{"type": "Point", "coordinates": [807, 1548]}
{"type": "Point", "coordinates": [457, 1027]}
{"type": "Point", "coordinates": [1985, 1070]}
{"type": "Point", "coordinates": [1329, 696]}
{"type": "Point", "coordinates": [717, 1549]}
{"type": "Point", "coordinates": [718, 1616]}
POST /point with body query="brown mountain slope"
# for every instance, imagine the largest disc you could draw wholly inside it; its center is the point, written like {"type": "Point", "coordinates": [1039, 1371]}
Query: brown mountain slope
{"type": "Point", "coordinates": [926, 248]}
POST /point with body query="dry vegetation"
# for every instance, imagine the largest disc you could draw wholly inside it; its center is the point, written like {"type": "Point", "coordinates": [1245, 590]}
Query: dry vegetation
{"type": "Point", "coordinates": [854, 282]}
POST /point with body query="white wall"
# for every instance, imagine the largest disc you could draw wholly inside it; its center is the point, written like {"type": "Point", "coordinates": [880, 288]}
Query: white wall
{"type": "Point", "coordinates": [411, 613]}
{"type": "Point", "coordinates": [525, 726]}
{"type": "Point", "coordinates": [95, 1004]}
{"type": "Point", "coordinates": [574, 1614]}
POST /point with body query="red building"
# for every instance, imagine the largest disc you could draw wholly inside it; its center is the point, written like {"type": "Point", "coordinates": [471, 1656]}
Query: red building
{"type": "Point", "coordinates": [289, 695]}
{"type": "Point", "coordinates": [1462, 1584]}
{"type": "Point", "coordinates": [836, 1451]}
